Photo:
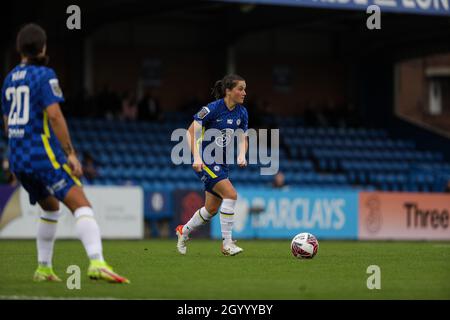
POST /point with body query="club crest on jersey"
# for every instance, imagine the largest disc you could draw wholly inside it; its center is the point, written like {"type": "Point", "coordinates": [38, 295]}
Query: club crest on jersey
{"type": "Point", "coordinates": [203, 112]}
{"type": "Point", "coordinates": [225, 138]}
{"type": "Point", "coordinates": [54, 84]}
{"type": "Point", "coordinates": [216, 168]}
{"type": "Point", "coordinates": [238, 121]}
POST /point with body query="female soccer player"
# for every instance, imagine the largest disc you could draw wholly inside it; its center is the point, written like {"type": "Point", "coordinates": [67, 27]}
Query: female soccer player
{"type": "Point", "coordinates": [226, 114]}
{"type": "Point", "coordinates": [42, 157]}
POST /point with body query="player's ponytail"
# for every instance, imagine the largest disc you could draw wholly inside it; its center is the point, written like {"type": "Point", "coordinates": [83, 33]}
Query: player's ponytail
{"type": "Point", "coordinates": [30, 43]}
{"type": "Point", "coordinates": [221, 86]}
{"type": "Point", "coordinates": [217, 91]}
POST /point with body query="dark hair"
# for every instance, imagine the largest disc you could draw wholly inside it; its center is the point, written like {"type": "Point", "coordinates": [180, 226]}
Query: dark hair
{"type": "Point", "coordinates": [30, 42]}
{"type": "Point", "coordinates": [228, 82]}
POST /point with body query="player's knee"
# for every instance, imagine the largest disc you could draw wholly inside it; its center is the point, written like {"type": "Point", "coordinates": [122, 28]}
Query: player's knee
{"type": "Point", "coordinates": [76, 199]}
{"type": "Point", "coordinates": [232, 194]}
{"type": "Point", "coordinates": [75, 205]}
{"type": "Point", "coordinates": [212, 209]}
{"type": "Point", "coordinates": [49, 204]}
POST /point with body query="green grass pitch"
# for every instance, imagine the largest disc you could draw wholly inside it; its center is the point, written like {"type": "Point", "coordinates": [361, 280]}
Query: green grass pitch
{"type": "Point", "coordinates": [266, 270]}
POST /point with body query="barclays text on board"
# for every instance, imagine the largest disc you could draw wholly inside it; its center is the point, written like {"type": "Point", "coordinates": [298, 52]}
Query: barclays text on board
{"type": "Point", "coordinates": [277, 214]}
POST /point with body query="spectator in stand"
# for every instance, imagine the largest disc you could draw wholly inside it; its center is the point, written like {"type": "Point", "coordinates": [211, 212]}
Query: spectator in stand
{"type": "Point", "coordinates": [279, 182]}
{"type": "Point", "coordinates": [108, 103]}
{"type": "Point", "coordinates": [129, 107]}
{"type": "Point", "coordinates": [90, 171]}
{"type": "Point", "coordinates": [148, 108]}
{"type": "Point", "coordinates": [447, 187]}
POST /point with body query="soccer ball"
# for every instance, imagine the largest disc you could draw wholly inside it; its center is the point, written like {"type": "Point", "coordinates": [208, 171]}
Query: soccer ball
{"type": "Point", "coordinates": [304, 246]}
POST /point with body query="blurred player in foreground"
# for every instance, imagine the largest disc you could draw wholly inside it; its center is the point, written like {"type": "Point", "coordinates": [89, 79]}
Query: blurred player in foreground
{"type": "Point", "coordinates": [43, 158]}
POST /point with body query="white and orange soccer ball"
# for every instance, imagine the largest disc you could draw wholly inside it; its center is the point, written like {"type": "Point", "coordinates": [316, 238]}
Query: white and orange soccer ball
{"type": "Point", "coordinates": [304, 246]}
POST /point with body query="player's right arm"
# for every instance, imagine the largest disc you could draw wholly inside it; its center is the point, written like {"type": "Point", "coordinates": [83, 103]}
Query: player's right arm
{"type": "Point", "coordinates": [195, 131]}
{"type": "Point", "coordinates": [59, 126]}
{"type": "Point", "coordinates": [201, 118]}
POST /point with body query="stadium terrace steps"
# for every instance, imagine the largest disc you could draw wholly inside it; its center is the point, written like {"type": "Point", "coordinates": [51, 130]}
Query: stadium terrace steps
{"type": "Point", "coordinates": [312, 157]}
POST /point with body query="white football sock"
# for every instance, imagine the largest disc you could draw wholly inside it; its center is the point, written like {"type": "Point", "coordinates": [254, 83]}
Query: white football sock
{"type": "Point", "coordinates": [227, 219]}
{"type": "Point", "coordinates": [45, 238]}
{"type": "Point", "coordinates": [88, 232]}
{"type": "Point", "coordinates": [200, 217]}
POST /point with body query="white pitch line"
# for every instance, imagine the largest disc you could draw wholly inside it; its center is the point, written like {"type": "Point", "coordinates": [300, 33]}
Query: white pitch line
{"type": "Point", "coordinates": [67, 298]}
{"type": "Point", "coordinates": [53, 298]}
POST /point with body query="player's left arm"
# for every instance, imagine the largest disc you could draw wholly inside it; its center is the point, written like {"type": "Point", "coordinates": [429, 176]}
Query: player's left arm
{"type": "Point", "coordinates": [52, 96]}
{"type": "Point", "coordinates": [243, 141]}
{"type": "Point", "coordinates": [243, 147]}
{"type": "Point", "coordinates": [59, 126]}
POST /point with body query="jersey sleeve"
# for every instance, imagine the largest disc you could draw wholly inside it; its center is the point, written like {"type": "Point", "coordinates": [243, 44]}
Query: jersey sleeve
{"type": "Point", "coordinates": [205, 115]}
{"type": "Point", "coordinates": [50, 89]}
{"type": "Point", "coordinates": [244, 122]}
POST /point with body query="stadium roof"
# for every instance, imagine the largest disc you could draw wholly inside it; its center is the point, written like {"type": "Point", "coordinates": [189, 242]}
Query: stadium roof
{"type": "Point", "coordinates": [401, 35]}
{"type": "Point", "coordinates": [432, 7]}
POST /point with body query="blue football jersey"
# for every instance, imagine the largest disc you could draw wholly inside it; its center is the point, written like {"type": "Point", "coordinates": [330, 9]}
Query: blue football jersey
{"type": "Point", "coordinates": [26, 93]}
{"type": "Point", "coordinates": [216, 115]}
